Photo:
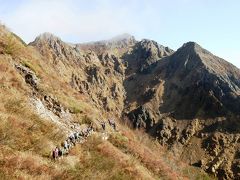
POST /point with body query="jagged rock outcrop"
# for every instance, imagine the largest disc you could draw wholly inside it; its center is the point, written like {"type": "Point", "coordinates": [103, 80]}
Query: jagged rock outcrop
{"type": "Point", "coordinates": [88, 70]}
{"type": "Point", "coordinates": [54, 105]}
{"type": "Point", "coordinates": [144, 54]}
{"type": "Point", "coordinates": [51, 103]}
{"type": "Point", "coordinates": [189, 131]}
{"type": "Point", "coordinates": [141, 118]}
{"type": "Point", "coordinates": [29, 75]}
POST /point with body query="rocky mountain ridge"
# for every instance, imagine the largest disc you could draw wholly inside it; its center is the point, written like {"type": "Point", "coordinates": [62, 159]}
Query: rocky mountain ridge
{"type": "Point", "coordinates": [187, 99]}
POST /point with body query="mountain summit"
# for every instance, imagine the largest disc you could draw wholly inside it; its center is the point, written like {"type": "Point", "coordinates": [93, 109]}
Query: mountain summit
{"type": "Point", "coordinates": [122, 37]}
{"type": "Point", "coordinates": [46, 38]}
{"type": "Point", "coordinates": [201, 71]}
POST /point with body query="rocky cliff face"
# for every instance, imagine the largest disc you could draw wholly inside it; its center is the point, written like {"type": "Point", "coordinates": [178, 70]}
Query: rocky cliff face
{"type": "Point", "coordinates": [207, 82]}
{"type": "Point", "coordinates": [144, 54]}
{"type": "Point", "coordinates": [95, 73]}
{"type": "Point", "coordinates": [188, 99]}
{"type": "Point", "coordinates": [185, 99]}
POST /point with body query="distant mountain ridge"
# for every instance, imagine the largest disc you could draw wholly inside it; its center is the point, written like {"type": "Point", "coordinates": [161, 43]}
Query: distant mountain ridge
{"type": "Point", "coordinates": [193, 66]}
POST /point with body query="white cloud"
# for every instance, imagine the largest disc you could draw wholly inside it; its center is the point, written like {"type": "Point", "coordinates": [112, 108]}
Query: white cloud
{"type": "Point", "coordinates": [68, 19]}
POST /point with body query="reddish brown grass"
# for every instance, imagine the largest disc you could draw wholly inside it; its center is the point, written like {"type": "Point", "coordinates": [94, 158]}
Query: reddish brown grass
{"type": "Point", "coordinates": [107, 149]}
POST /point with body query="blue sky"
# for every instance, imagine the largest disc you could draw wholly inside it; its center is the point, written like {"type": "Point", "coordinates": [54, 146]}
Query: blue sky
{"type": "Point", "coordinates": [214, 24]}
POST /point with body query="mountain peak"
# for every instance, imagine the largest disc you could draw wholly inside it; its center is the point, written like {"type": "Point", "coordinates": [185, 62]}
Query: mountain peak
{"type": "Point", "coordinates": [191, 46]}
{"type": "Point", "coordinates": [122, 39]}
{"type": "Point", "coordinates": [124, 36]}
{"type": "Point", "coordinates": [46, 37]}
{"type": "Point", "coordinates": [191, 56]}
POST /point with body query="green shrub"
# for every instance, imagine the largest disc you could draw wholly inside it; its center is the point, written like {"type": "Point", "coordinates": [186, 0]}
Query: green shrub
{"type": "Point", "coordinates": [118, 140]}
{"type": "Point", "coordinates": [196, 173]}
{"type": "Point", "coordinates": [86, 120]}
{"type": "Point", "coordinates": [73, 105]}
{"type": "Point", "coordinates": [75, 110]}
{"type": "Point", "coordinates": [18, 38]}
{"type": "Point", "coordinates": [29, 65]}
{"type": "Point", "coordinates": [11, 46]}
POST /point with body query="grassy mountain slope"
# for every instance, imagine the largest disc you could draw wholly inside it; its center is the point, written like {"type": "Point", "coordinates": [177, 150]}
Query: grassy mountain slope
{"type": "Point", "coordinates": [31, 122]}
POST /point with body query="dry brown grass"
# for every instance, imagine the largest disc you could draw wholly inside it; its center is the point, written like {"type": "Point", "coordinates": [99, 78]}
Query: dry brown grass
{"type": "Point", "coordinates": [9, 43]}
{"type": "Point", "coordinates": [87, 162]}
{"type": "Point", "coordinates": [152, 155]}
{"type": "Point", "coordinates": [146, 151]}
{"type": "Point", "coordinates": [18, 165]}
{"type": "Point", "coordinates": [125, 162]}
{"type": "Point", "coordinates": [25, 139]}
{"type": "Point", "coordinates": [25, 142]}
